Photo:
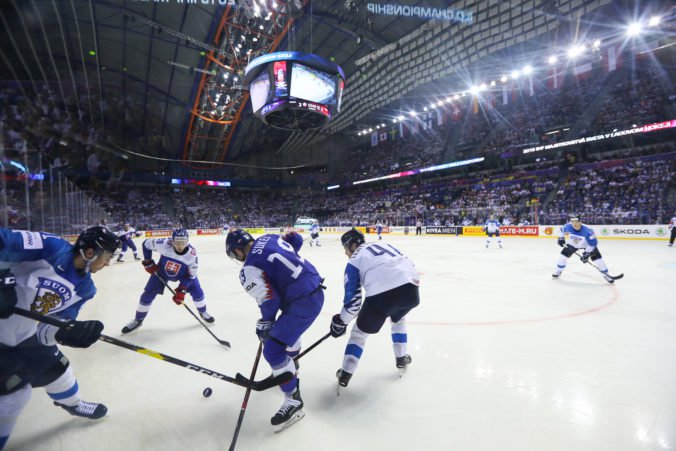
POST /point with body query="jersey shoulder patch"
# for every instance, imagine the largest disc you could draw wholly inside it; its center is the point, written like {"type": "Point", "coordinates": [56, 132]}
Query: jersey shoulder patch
{"type": "Point", "coordinates": [31, 240]}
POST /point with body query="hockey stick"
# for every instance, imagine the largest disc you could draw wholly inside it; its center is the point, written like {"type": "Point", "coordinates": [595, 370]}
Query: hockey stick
{"type": "Point", "coordinates": [314, 345]}
{"type": "Point", "coordinates": [261, 385]}
{"type": "Point", "coordinates": [223, 342]}
{"type": "Point", "coordinates": [619, 276]}
{"type": "Point", "coordinates": [245, 402]}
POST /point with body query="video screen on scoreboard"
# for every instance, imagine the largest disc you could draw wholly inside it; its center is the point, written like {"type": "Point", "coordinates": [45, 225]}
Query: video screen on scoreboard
{"type": "Point", "coordinates": [313, 85]}
{"type": "Point", "coordinates": [259, 91]}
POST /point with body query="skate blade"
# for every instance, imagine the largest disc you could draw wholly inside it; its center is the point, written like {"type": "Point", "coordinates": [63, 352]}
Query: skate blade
{"type": "Point", "coordinates": [402, 371]}
{"type": "Point", "coordinates": [293, 420]}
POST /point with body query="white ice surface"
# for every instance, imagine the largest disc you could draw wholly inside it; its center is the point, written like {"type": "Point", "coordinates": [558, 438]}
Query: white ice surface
{"type": "Point", "coordinates": [504, 358]}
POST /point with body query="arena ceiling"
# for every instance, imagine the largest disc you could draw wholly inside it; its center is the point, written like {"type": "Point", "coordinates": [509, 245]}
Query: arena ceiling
{"type": "Point", "coordinates": [150, 57]}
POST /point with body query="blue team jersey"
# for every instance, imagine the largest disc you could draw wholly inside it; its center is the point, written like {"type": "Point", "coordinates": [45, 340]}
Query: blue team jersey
{"type": "Point", "coordinates": [579, 239]}
{"type": "Point", "coordinates": [275, 275]}
{"type": "Point", "coordinates": [46, 281]}
{"type": "Point", "coordinates": [492, 225]}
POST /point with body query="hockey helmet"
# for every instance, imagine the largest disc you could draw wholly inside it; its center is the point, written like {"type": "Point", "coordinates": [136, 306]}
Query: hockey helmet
{"type": "Point", "coordinates": [179, 235]}
{"type": "Point", "coordinates": [353, 236]}
{"type": "Point", "coordinates": [237, 239]}
{"type": "Point", "coordinates": [99, 238]}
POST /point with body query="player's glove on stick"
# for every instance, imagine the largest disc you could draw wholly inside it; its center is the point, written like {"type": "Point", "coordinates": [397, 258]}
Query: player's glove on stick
{"type": "Point", "coordinates": [263, 329]}
{"type": "Point", "coordinates": [179, 295]}
{"type": "Point", "coordinates": [150, 266]}
{"type": "Point", "coordinates": [7, 293]}
{"type": "Point", "coordinates": [79, 334]}
{"type": "Point", "coordinates": [338, 327]}
{"type": "Point", "coordinates": [561, 242]}
{"type": "Point", "coordinates": [584, 258]}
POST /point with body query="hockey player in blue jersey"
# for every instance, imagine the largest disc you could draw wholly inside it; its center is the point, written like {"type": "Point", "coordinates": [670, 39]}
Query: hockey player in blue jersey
{"type": "Point", "coordinates": [391, 284]}
{"type": "Point", "coordinates": [45, 274]}
{"type": "Point", "coordinates": [178, 262]}
{"type": "Point", "coordinates": [314, 234]}
{"type": "Point", "coordinates": [127, 235]}
{"type": "Point", "coordinates": [288, 290]}
{"type": "Point", "coordinates": [573, 236]}
{"type": "Point", "coordinates": [379, 230]}
{"type": "Point", "coordinates": [492, 227]}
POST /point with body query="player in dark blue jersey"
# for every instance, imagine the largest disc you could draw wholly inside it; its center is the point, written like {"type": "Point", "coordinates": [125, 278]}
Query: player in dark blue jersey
{"type": "Point", "coordinates": [288, 290]}
{"type": "Point", "coordinates": [45, 274]}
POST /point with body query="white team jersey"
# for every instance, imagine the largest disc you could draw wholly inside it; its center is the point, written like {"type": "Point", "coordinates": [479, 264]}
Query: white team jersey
{"type": "Point", "coordinates": [166, 249]}
{"type": "Point", "coordinates": [382, 267]}
{"type": "Point", "coordinates": [492, 226]}
{"type": "Point", "coordinates": [672, 223]}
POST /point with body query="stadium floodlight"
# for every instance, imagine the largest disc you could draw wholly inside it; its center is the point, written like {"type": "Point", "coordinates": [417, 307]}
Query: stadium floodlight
{"type": "Point", "coordinates": [483, 87]}
{"type": "Point", "coordinates": [433, 105]}
{"type": "Point", "coordinates": [412, 113]}
{"type": "Point", "coordinates": [503, 79]}
{"type": "Point", "coordinates": [474, 89]}
{"type": "Point", "coordinates": [425, 109]}
{"type": "Point", "coordinates": [440, 102]}
{"type": "Point", "coordinates": [401, 118]}
{"type": "Point", "coordinates": [377, 127]}
{"type": "Point", "coordinates": [358, 133]}
{"type": "Point", "coordinates": [492, 82]}
{"type": "Point", "coordinates": [575, 51]}
{"type": "Point", "coordinates": [370, 130]}
{"type": "Point", "coordinates": [515, 74]}
{"type": "Point", "coordinates": [597, 44]}
{"type": "Point", "coordinates": [528, 70]}
{"type": "Point", "coordinates": [552, 59]}
{"type": "Point", "coordinates": [382, 125]}
{"type": "Point", "coordinates": [456, 97]}
{"type": "Point", "coordinates": [634, 29]}
{"type": "Point", "coordinates": [394, 121]}
{"type": "Point", "coordinates": [448, 99]}
{"type": "Point", "coordinates": [654, 21]}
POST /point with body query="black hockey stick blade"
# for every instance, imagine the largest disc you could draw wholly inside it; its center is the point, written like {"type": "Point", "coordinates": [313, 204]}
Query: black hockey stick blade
{"type": "Point", "coordinates": [263, 384]}
{"type": "Point", "coordinates": [617, 277]}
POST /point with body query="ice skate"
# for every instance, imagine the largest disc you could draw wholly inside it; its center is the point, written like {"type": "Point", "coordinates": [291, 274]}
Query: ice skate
{"type": "Point", "coordinates": [556, 274]}
{"type": "Point", "coordinates": [136, 257]}
{"type": "Point", "coordinates": [133, 325]}
{"type": "Point", "coordinates": [290, 413]}
{"type": "Point", "coordinates": [207, 318]}
{"type": "Point", "coordinates": [85, 409]}
{"type": "Point", "coordinates": [402, 363]}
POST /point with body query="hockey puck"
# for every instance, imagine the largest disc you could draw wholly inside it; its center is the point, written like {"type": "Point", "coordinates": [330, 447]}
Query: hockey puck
{"type": "Point", "coordinates": [207, 392]}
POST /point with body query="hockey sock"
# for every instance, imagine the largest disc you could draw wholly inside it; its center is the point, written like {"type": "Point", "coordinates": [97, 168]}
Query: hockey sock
{"type": "Point", "coordinates": [201, 305]}
{"type": "Point", "coordinates": [294, 350]}
{"type": "Point", "coordinates": [354, 349]}
{"type": "Point", "coordinates": [64, 390]}
{"type": "Point", "coordinates": [286, 366]}
{"type": "Point", "coordinates": [601, 265]}
{"type": "Point", "coordinates": [561, 264]}
{"type": "Point", "coordinates": [11, 406]}
{"type": "Point", "coordinates": [399, 338]}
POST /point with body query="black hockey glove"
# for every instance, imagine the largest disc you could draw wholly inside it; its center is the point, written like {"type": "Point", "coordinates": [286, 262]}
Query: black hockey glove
{"type": "Point", "coordinates": [338, 327]}
{"type": "Point", "coordinates": [561, 242]}
{"type": "Point", "coordinates": [584, 258]}
{"type": "Point", "coordinates": [7, 293]}
{"type": "Point", "coordinates": [79, 334]}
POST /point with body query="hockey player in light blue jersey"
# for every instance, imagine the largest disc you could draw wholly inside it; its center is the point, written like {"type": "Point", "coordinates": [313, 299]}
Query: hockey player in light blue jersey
{"type": "Point", "coordinates": [314, 234]}
{"type": "Point", "coordinates": [288, 290]}
{"type": "Point", "coordinates": [45, 274]}
{"type": "Point", "coordinates": [391, 284]}
{"type": "Point", "coordinates": [573, 236]}
{"type": "Point", "coordinates": [492, 227]}
{"type": "Point", "coordinates": [178, 262]}
{"type": "Point", "coordinates": [127, 235]}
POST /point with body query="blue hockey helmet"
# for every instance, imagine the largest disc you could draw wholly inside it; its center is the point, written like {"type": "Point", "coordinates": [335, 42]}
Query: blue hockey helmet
{"type": "Point", "coordinates": [179, 235]}
{"type": "Point", "coordinates": [237, 239]}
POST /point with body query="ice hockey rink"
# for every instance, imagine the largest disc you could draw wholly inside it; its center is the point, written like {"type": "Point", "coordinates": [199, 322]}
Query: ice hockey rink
{"type": "Point", "coordinates": [504, 358]}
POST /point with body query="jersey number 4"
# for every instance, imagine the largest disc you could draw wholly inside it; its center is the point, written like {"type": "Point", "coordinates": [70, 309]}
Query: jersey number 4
{"type": "Point", "coordinates": [295, 269]}
{"type": "Point", "coordinates": [377, 250]}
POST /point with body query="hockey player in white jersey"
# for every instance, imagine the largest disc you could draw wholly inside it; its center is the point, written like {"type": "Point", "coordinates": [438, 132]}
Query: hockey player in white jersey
{"type": "Point", "coordinates": [573, 236]}
{"type": "Point", "coordinates": [178, 262]}
{"type": "Point", "coordinates": [127, 235]}
{"type": "Point", "coordinates": [492, 227]}
{"type": "Point", "coordinates": [45, 274]}
{"type": "Point", "coordinates": [391, 284]}
{"type": "Point", "coordinates": [314, 234]}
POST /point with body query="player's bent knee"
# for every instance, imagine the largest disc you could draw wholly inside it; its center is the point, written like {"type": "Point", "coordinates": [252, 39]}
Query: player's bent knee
{"type": "Point", "coordinates": [52, 373]}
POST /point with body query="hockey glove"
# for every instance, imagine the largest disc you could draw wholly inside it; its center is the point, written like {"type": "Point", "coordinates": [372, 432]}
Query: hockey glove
{"type": "Point", "coordinates": [263, 329]}
{"type": "Point", "coordinates": [584, 258]}
{"type": "Point", "coordinates": [79, 334]}
{"type": "Point", "coordinates": [150, 266]}
{"type": "Point", "coordinates": [338, 327]}
{"type": "Point", "coordinates": [561, 242]}
{"type": "Point", "coordinates": [179, 295]}
{"type": "Point", "coordinates": [7, 293]}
